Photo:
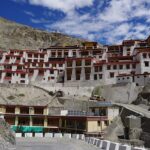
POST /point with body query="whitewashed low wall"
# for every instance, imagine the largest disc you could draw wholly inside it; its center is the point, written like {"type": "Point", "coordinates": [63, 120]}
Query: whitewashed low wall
{"type": "Point", "coordinates": [38, 134]}
{"type": "Point", "coordinates": [67, 135]}
{"type": "Point", "coordinates": [102, 144]}
{"type": "Point", "coordinates": [18, 135]}
{"type": "Point", "coordinates": [81, 136]}
{"type": "Point", "coordinates": [108, 145]}
{"type": "Point", "coordinates": [75, 136]}
{"type": "Point", "coordinates": [114, 146]}
{"type": "Point", "coordinates": [58, 135]}
{"type": "Point", "coordinates": [48, 135]}
{"type": "Point", "coordinates": [28, 135]}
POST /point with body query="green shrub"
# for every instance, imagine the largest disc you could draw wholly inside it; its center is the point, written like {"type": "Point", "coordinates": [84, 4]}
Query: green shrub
{"type": "Point", "coordinates": [11, 97]}
{"type": "Point", "coordinates": [21, 95]}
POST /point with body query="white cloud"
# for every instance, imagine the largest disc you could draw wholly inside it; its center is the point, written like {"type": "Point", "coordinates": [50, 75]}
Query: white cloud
{"type": "Point", "coordinates": [37, 21]}
{"type": "Point", "coordinates": [113, 20]}
{"type": "Point", "coordinates": [116, 11]}
{"type": "Point", "coordinates": [62, 5]}
{"type": "Point", "coordinates": [29, 13]}
{"type": "Point", "coordinates": [80, 25]}
{"type": "Point", "coordinates": [19, 1]}
{"type": "Point", "coordinates": [116, 22]}
{"type": "Point", "coordinates": [124, 10]}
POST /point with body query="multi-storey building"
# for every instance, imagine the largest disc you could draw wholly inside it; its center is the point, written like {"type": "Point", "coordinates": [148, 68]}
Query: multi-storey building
{"type": "Point", "coordinates": [27, 118]}
{"type": "Point", "coordinates": [127, 62]}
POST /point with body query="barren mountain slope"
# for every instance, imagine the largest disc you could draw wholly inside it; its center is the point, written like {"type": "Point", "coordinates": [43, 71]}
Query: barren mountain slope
{"type": "Point", "coordinates": [17, 36]}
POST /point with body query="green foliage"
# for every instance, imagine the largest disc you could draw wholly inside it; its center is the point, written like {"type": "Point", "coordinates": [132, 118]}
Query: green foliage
{"type": "Point", "coordinates": [21, 95]}
{"type": "Point", "coordinates": [11, 97]}
{"type": "Point", "coordinates": [97, 91]}
{"type": "Point", "coordinates": [51, 93]}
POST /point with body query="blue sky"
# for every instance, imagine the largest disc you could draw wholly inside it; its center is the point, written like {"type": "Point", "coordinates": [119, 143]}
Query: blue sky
{"type": "Point", "coordinates": [105, 21]}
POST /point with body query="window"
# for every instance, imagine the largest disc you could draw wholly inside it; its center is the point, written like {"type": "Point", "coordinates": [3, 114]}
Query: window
{"type": "Point", "coordinates": [42, 56]}
{"type": "Point", "coordinates": [53, 65]}
{"type": "Point", "coordinates": [33, 64]}
{"type": "Point", "coordinates": [47, 65]}
{"type": "Point", "coordinates": [111, 74]}
{"type": "Point", "coordinates": [128, 66]}
{"type": "Point", "coordinates": [77, 76]}
{"type": "Point", "coordinates": [30, 71]}
{"type": "Point", "coordinates": [7, 58]}
{"type": "Point", "coordinates": [93, 110]}
{"type": "Point", "coordinates": [106, 123]}
{"type": "Point", "coordinates": [69, 73]}
{"type": "Point", "coordinates": [95, 76]}
{"type": "Point", "coordinates": [8, 74]}
{"type": "Point", "coordinates": [100, 68]}
{"type": "Point", "coordinates": [78, 63]}
{"type": "Point", "coordinates": [114, 67]}
{"type": "Point", "coordinates": [144, 55]}
{"type": "Point", "coordinates": [41, 72]}
{"type": "Point", "coordinates": [23, 75]}
{"type": "Point", "coordinates": [41, 65]}
{"type": "Point", "coordinates": [128, 49]}
{"type": "Point", "coordinates": [98, 123]}
{"type": "Point", "coordinates": [22, 81]}
{"type": "Point", "coordinates": [146, 63]}
{"type": "Point", "coordinates": [59, 54]}
{"type": "Point", "coordinates": [68, 77]}
{"type": "Point", "coordinates": [24, 110]}
{"type": "Point", "coordinates": [10, 109]}
{"type": "Point", "coordinates": [134, 66]}
{"type": "Point", "coordinates": [87, 63]}
{"type": "Point", "coordinates": [60, 65]}
{"type": "Point", "coordinates": [96, 69]}
{"type": "Point", "coordinates": [108, 67]}
{"type": "Point", "coordinates": [35, 55]}
{"type": "Point", "coordinates": [74, 54]}
{"type": "Point", "coordinates": [100, 76]}
{"type": "Point", "coordinates": [29, 55]}
{"type": "Point", "coordinates": [66, 54]}
{"type": "Point", "coordinates": [53, 54]}
{"type": "Point", "coordinates": [19, 67]}
{"type": "Point", "coordinates": [51, 71]}
{"type": "Point", "coordinates": [69, 64]}
{"type": "Point", "coordinates": [87, 70]}
{"type": "Point", "coordinates": [87, 76]}
{"type": "Point", "coordinates": [8, 67]}
{"type": "Point", "coordinates": [120, 66]}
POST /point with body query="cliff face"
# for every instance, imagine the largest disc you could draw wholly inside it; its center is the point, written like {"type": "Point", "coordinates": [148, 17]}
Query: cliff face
{"type": "Point", "coordinates": [17, 36]}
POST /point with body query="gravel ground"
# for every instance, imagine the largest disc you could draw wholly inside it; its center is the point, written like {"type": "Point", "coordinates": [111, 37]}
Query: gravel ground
{"type": "Point", "coordinates": [52, 144]}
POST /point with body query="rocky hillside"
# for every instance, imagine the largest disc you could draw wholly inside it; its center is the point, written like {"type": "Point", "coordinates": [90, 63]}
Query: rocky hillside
{"type": "Point", "coordinates": [144, 97]}
{"type": "Point", "coordinates": [120, 93]}
{"type": "Point", "coordinates": [17, 36]}
{"type": "Point", "coordinates": [23, 94]}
